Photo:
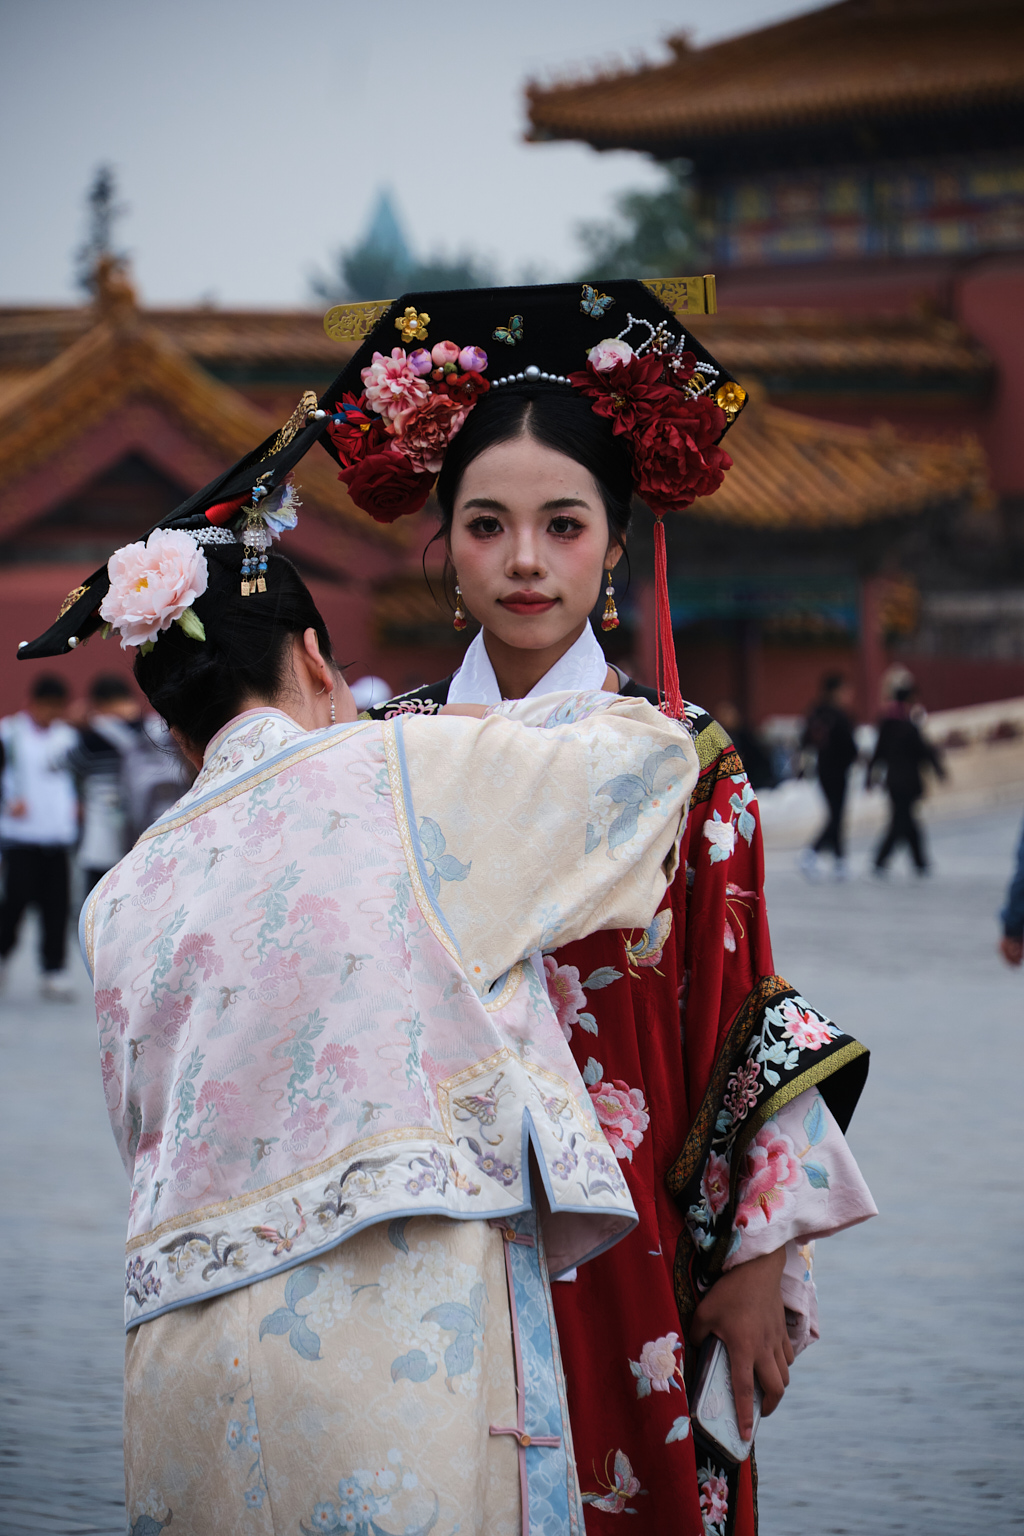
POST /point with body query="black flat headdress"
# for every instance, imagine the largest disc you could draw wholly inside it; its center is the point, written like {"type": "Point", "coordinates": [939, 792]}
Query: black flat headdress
{"type": "Point", "coordinates": [547, 329]}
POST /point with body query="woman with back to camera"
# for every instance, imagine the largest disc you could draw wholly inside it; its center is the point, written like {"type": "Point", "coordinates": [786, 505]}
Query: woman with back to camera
{"type": "Point", "coordinates": [709, 1122]}
{"type": "Point", "coordinates": [328, 1061]}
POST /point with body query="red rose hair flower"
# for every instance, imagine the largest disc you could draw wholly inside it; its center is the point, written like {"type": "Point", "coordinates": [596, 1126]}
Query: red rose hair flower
{"type": "Point", "coordinates": [387, 486]}
{"type": "Point", "coordinates": [675, 456]}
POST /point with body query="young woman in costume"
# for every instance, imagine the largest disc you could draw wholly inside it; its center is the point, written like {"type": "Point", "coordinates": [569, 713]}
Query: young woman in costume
{"type": "Point", "coordinates": [329, 1061]}
{"type": "Point", "coordinates": [732, 1156]}
{"type": "Point", "coordinates": [702, 1064]}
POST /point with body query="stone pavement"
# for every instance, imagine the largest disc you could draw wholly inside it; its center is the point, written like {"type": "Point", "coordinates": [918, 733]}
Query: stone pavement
{"type": "Point", "coordinates": [907, 1418]}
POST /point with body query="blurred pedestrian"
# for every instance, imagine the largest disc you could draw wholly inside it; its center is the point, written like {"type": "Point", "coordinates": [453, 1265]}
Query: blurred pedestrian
{"type": "Point", "coordinates": [828, 732]}
{"type": "Point", "coordinates": [901, 752]}
{"type": "Point", "coordinates": [128, 772]}
{"type": "Point", "coordinates": [1012, 942]}
{"type": "Point", "coordinates": [755, 755]}
{"type": "Point", "coordinates": [38, 826]}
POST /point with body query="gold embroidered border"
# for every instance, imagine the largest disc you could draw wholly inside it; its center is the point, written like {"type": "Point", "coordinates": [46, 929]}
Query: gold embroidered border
{"type": "Point", "coordinates": [402, 818]}
{"type": "Point", "coordinates": [250, 781]}
{"type": "Point", "coordinates": [354, 1150]}
{"type": "Point", "coordinates": [699, 1136]}
{"type": "Point", "coordinates": [89, 926]}
{"type": "Point", "coordinates": [508, 991]}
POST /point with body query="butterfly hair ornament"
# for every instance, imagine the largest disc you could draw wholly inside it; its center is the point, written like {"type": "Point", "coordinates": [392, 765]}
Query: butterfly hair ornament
{"type": "Point", "coordinates": [392, 412]}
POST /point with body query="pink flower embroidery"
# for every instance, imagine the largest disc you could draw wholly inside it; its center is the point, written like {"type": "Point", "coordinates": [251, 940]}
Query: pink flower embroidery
{"type": "Point", "coordinates": [172, 1014]}
{"type": "Point", "coordinates": [658, 1362]}
{"type": "Point", "coordinates": [262, 828]}
{"type": "Point", "coordinates": [622, 1114]}
{"type": "Point", "coordinates": [566, 994]}
{"type": "Point", "coordinates": [108, 1001]}
{"type": "Point", "coordinates": [804, 1028]}
{"type": "Point", "coordinates": [714, 1185]}
{"type": "Point", "coordinates": [224, 1097]}
{"type": "Point", "coordinates": [392, 386]}
{"type": "Point", "coordinates": [203, 826]}
{"type": "Point", "coordinates": [771, 1168]}
{"type": "Point", "coordinates": [305, 1122]}
{"type": "Point", "coordinates": [742, 1089]}
{"type": "Point", "coordinates": [190, 1168]}
{"type": "Point", "coordinates": [714, 1499]}
{"type": "Point", "coordinates": [321, 912]}
{"type": "Point", "coordinates": [153, 584]}
{"type": "Point", "coordinates": [158, 873]}
{"type": "Point", "coordinates": [313, 777]}
{"type": "Point", "coordinates": [344, 1059]}
{"type": "Point", "coordinates": [198, 948]}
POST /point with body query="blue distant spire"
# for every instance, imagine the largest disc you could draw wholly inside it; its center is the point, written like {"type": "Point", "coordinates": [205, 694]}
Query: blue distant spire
{"type": "Point", "coordinates": [385, 236]}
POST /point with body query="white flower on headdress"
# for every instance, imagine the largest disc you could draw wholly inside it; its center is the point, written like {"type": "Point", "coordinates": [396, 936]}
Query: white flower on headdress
{"type": "Point", "coordinates": [152, 585]}
{"type": "Point", "coordinates": [609, 353]}
{"type": "Point", "coordinates": [279, 511]}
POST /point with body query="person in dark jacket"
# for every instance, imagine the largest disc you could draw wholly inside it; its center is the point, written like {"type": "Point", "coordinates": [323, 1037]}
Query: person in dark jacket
{"type": "Point", "coordinates": [901, 752]}
{"type": "Point", "coordinates": [1011, 944]}
{"type": "Point", "coordinates": [828, 732]}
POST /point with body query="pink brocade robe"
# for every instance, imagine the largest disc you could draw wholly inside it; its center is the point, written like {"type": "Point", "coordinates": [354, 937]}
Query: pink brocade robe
{"type": "Point", "coordinates": [316, 1005]}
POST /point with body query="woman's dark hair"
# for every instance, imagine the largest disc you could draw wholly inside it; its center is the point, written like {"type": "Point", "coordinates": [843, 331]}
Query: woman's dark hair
{"type": "Point", "coordinates": [198, 686]}
{"type": "Point", "coordinates": [560, 419]}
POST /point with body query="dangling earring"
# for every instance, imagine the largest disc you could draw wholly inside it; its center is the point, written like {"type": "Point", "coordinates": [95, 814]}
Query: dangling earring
{"type": "Point", "coordinates": [610, 619]}
{"type": "Point", "coordinates": [333, 722]}
{"type": "Point", "coordinates": [459, 620]}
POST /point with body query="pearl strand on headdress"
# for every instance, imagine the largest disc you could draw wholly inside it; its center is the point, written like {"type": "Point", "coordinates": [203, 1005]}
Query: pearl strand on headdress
{"type": "Point", "coordinates": [530, 375]}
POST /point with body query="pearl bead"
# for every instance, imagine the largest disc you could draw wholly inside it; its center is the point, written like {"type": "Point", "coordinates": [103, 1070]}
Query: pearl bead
{"type": "Point", "coordinates": [532, 372]}
{"type": "Point", "coordinates": [22, 644]}
{"type": "Point", "coordinates": [319, 415]}
{"type": "Point", "coordinates": [72, 642]}
{"type": "Point", "coordinates": [520, 377]}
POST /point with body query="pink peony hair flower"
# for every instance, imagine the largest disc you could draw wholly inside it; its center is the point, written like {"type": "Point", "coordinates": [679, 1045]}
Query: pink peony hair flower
{"type": "Point", "coordinates": [473, 360]}
{"type": "Point", "coordinates": [392, 386]}
{"type": "Point", "coordinates": [444, 352]}
{"type": "Point", "coordinates": [609, 353]}
{"type": "Point", "coordinates": [154, 585]}
{"type": "Point", "coordinates": [420, 362]}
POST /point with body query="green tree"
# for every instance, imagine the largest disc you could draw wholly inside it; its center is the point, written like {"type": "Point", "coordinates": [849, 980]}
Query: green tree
{"type": "Point", "coordinates": [654, 234]}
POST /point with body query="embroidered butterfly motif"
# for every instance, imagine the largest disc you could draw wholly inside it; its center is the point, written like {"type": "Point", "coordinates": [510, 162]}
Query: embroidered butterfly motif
{"type": "Point", "coordinates": [510, 333]}
{"type": "Point", "coordinates": [622, 1486]}
{"type": "Point", "coordinates": [283, 1241]}
{"type": "Point", "coordinates": [593, 303]}
{"type": "Point", "coordinates": [482, 1107]}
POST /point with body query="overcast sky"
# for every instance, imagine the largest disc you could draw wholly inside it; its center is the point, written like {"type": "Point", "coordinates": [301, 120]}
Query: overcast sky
{"type": "Point", "coordinates": [249, 137]}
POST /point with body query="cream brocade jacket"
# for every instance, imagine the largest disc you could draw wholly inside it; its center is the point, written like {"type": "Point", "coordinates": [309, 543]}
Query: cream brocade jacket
{"type": "Point", "coordinates": [316, 1003]}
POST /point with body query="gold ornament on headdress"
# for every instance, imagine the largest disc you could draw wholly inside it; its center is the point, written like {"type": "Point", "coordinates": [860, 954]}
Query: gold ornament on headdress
{"type": "Point", "coordinates": [732, 397]}
{"type": "Point", "coordinates": [413, 326]}
{"type": "Point", "coordinates": [71, 599]}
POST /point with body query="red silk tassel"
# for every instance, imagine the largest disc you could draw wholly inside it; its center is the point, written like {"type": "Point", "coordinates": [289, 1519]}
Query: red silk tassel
{"type": "Point", "coordinates": [667, 680]}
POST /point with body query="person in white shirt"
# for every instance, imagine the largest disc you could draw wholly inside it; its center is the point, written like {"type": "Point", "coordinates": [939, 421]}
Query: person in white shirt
{"type": "Point", "coordinates": [38, 825]}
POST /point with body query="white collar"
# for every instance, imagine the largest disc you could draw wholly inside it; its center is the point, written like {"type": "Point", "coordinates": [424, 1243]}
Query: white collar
{"type": "Point", "coordinates": [583, 667]}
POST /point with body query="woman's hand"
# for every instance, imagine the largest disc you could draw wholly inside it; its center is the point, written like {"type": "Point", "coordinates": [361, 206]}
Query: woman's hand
{"type": "Point", "coordinates": [744, 1309]}
{"type": "Point", "coordinates": [476, 710]}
